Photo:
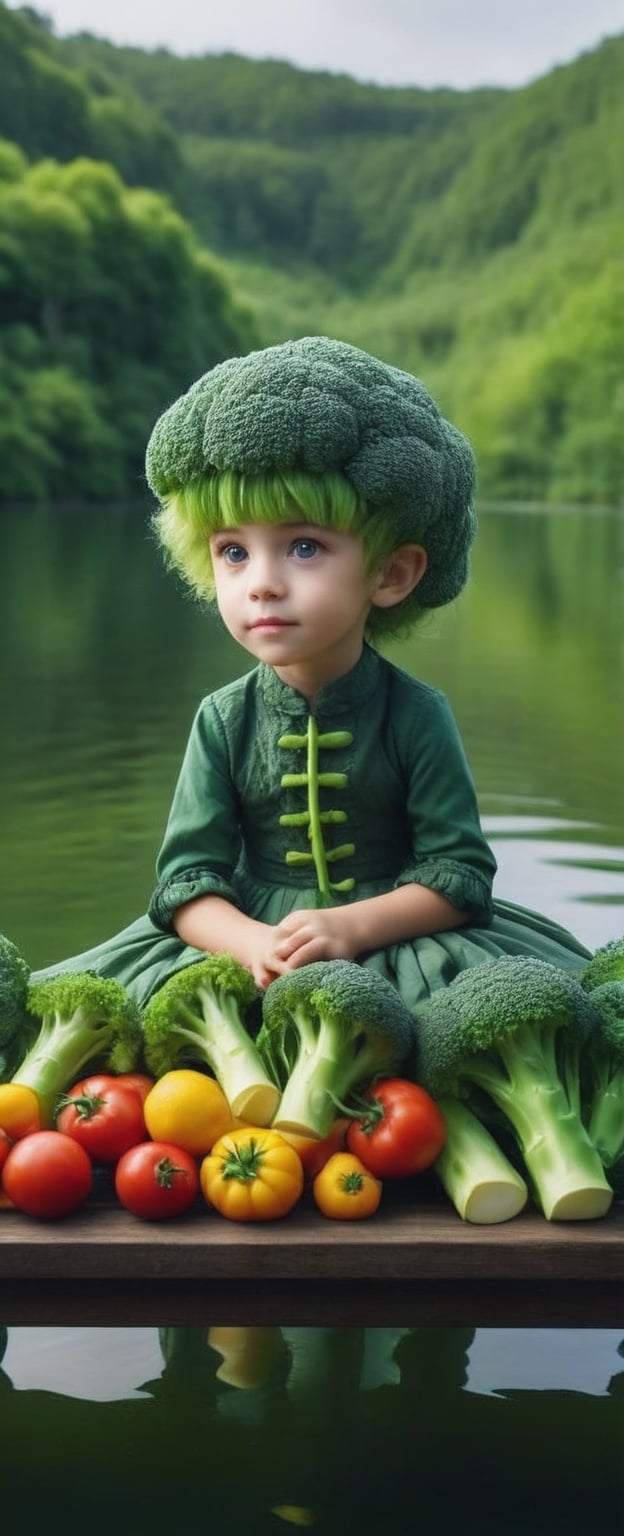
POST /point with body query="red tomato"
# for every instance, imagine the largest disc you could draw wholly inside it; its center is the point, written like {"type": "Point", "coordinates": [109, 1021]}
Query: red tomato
{"type": "Point", "coordinates": [47, 1175]}
{"type": "Point", "coordinates": [5, 1147]}
{"type": "Point", "coordinates": [400, 1131]}
{"type": "Point", "coordinates": [141, 1083]}
{"type": "Point", "coordinates": [98, 1081]}
{"type": "Point", "coordinates": [156, 1179]}
{"type": "Point", "coordinates": [103, 1116]}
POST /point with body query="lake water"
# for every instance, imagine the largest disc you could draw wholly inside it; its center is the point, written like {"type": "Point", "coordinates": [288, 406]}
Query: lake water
{"type": "Point", "coordinates": [105, 659]}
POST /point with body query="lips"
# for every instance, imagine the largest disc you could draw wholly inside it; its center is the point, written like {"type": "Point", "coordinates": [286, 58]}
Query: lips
{"type": "Point", "coordinates": [272, 624]}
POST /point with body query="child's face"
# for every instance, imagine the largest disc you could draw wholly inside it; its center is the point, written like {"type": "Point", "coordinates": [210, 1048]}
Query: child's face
{"type": "Point", "coordinates": [296, 596]}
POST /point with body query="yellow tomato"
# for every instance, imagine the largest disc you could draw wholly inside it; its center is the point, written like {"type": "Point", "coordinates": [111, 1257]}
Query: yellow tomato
{"type": "Point", "coordinates": [248, 1355]}
{"type": "Point", "coordinates": [188, 1109]}
{"type": "Point", "coordinates": [345, 1190]}
{"type": "Point", "coordinates": [252, 1174]}
{"type": "Point", "coordinates": [20, 1111]}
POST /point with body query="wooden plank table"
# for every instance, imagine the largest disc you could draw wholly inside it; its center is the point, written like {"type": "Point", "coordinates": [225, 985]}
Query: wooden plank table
{"type": "Point", "coordinates": [413, 1264]}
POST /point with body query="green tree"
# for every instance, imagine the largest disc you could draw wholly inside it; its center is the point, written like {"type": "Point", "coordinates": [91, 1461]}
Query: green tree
{"type": "Point", "coordinates": [108, 308]}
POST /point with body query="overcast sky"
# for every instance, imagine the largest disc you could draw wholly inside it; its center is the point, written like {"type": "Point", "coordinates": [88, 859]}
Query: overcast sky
{"type": "Point", "coordinates": [462, 43]}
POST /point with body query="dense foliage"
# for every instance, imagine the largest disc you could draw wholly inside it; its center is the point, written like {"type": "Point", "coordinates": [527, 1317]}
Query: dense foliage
{"type": "Point", "coordinates": [109, 307]}
{"type": "Point", "coordinates": [472, 237]}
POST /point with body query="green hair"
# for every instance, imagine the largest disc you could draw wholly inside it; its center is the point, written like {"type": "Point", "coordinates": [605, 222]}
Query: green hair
{"type": "Point", "coordinates": [187, 520]}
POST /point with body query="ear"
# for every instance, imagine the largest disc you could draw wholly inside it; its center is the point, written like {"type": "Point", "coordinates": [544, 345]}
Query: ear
{"type": "Point", "coordinates": [399, 575]}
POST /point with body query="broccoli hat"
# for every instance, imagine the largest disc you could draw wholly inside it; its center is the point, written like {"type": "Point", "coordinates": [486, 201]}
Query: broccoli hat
{"type": "Point", "coordinates": [316, 404]}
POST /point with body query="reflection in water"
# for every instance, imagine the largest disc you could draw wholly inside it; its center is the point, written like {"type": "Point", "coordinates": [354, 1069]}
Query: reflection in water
{"type": "Point", "coordinates": [324, 1426]}
{"type": "Point", "coordinates": [537, 853]}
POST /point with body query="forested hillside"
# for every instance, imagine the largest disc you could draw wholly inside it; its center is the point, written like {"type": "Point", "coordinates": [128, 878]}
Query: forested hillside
{"type": "Point", "coordinates": [109, 305]}
{"type": "Point", "coordinates": [474, 237]}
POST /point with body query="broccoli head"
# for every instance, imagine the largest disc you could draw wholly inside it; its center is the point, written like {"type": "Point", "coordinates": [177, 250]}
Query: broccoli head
{"type": "Point", "coordinates": [15, 1024]}
{"type": "Point", "coordinates": [606, 965]}
{"type": "Point", "coordinates": [199, 1018]}
{"type": "Point", "coordinates": [84, 1021]}
{"type": "Point", "coordinates": [504, 1036]}
{"type": "Point", "coordinates": [328, 1028]}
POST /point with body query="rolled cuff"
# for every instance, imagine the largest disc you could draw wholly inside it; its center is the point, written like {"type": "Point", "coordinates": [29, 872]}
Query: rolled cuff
{"type": "Point", "coordinates": [465, 888]}
{"type": "Point", "coordinates": [173, 893]}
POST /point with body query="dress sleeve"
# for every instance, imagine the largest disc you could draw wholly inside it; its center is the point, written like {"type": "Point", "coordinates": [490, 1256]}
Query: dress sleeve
{"type": "Point", "coordinates": [448, 852]}
{"type": "Point", "coordinates": [202, 842]}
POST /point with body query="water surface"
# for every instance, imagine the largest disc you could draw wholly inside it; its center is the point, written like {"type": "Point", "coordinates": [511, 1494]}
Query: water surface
{"type": "Point", "coordinates": [104, 661]}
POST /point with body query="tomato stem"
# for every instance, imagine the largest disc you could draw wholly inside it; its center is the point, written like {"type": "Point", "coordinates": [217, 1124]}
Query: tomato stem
{"type": "Point", "coordinates": [352, 1182]}
{"type": "Point", "coordinates": [367, 1111]}
{"type": "Point", "coordinates": [165, 1171]}
{"type": "Point", "coordinates": [243, 1163]}
{"type": "Point", "coordinates": [86, 1105]}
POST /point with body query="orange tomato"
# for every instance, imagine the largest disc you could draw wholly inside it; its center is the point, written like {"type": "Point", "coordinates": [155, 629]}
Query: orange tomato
{"type": "Point", "coordinates": [345, 1190]}
{"type": "Point", "coordinates": [314, 1151]}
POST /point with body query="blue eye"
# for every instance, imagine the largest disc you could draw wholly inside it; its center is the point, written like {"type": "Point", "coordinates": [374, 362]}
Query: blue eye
{"type": "Point", "coordinates": [305, 549]}
{"type": "Point", "coordinates": [234, 554]}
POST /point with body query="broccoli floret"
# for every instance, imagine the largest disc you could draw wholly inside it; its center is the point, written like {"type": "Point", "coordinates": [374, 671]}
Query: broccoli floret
{"type": "Point", "coordinates": [84, 1020]}
{"type": "Point", "coordinates": [606, 965]}
{"type": "Point", "coordinates": [329, 1028]}
{"type": "Point", "coordinates": [499, 1029]}
{"type": "Point", "coordinates": [198, 1018]}
{"type": "Point", "coordinates": [15, 1025]}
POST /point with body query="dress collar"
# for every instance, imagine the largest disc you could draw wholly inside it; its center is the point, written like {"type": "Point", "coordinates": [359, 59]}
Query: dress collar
{"type": "Point", "coordinates": [341, 697]}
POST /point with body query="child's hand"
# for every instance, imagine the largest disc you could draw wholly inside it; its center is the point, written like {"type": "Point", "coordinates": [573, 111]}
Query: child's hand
{"type": "Point", "coordinates": [211, 923]}
{"type": "Point", "coordinates": [305, 936]}
{"type": "Point", "coordinates": [258, 954]}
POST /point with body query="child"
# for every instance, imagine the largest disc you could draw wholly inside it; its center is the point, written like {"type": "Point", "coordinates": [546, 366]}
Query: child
{"type": "Point", "coordinates": [324, 807]}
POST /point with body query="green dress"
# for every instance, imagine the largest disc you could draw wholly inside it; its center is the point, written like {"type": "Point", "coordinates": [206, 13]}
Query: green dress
{"type": "Point", "coordinates": [277, 809]}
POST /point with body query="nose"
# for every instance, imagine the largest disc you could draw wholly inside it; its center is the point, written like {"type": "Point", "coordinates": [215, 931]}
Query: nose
{"type": "Point", "coordinates": [266, 579]}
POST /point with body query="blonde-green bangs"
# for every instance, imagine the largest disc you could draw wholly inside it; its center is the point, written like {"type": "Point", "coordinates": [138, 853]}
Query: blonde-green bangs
{"type": "Point", "coordinates": [208, 503]}
{"type": "Point", "coordinates": [187, 521]}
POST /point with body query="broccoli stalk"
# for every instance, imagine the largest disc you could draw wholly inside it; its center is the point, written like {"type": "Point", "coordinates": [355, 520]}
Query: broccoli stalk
{"type": "Point", "coordinates": [602, 1075]}
{"type": "Point", "coordinates": [473, 1170]}
{"type": "Point", "coordinates": [602, 1064]}
{"type": "Point", "coordinates": [499, 1029]}
{"type": "Point", "coordinates": [198, 1018]}
{"type": "Point", "coordinates": [84, 1020]}
{"type": "Point", "coordinates": [15, 1025]}
{"type": "Point", "coordinates": [329, 1028]}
